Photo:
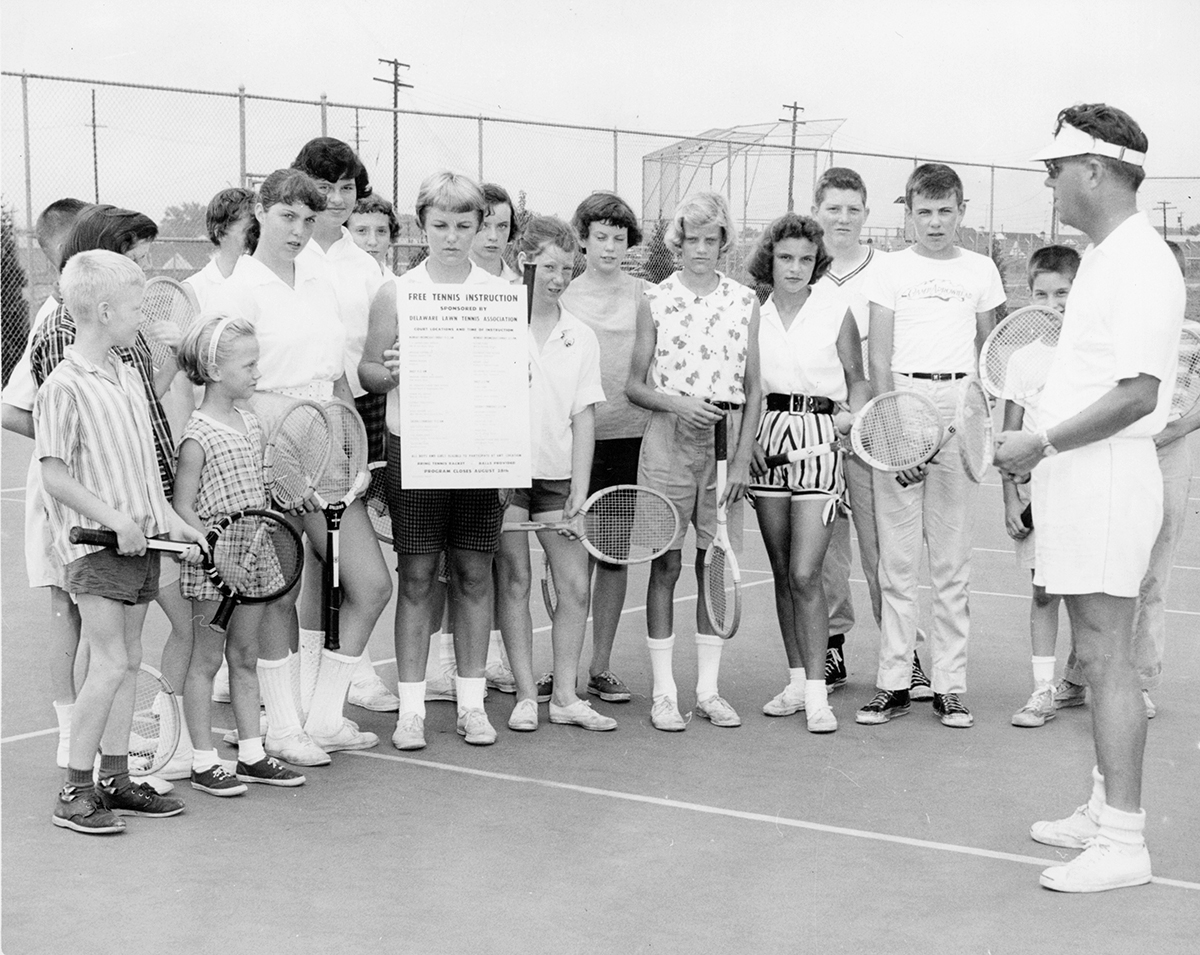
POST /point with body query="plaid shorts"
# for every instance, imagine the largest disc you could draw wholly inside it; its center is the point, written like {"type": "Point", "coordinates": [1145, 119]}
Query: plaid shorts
{"type": "Point", "coordinates": [429, 521]}
{"type": "Point", "coordinates": [373, 411]}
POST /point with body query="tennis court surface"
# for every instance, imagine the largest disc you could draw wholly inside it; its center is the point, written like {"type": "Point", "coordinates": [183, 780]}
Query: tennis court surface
{"type": "Point", "coordinates": [898, 838]}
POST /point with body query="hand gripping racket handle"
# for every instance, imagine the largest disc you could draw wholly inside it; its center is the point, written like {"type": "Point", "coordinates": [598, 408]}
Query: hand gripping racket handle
{"type": "Point", "coordinates": [86, 535]}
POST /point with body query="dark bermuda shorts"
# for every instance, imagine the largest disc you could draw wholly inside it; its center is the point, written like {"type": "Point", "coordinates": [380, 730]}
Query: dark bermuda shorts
{"type": "Point", "coordinates": [105, 573]}
{"type": "Point", "coordinates": [544, 497]}
{"type": "Point", "coordinates": [615, 462]}
{"type": "Point", "coordinates": [429, 521]}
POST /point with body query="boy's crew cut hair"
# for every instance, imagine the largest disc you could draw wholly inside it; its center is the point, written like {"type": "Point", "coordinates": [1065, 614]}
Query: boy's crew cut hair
{"type": "Point", "coordinates": [933, 180]}
{"type": "Point", "coordinates": [761, 265]}
{"type": "Point", "coordinates": [610, 209]}
{"type": "Point", "coordinates": [1058, 259]}
{"type": "Point", "coordinates": [839, 177]}
{"type": "Point", "coordinates": [93, 276]}
{"type": "Point", "coordinates": [59, 215]}
{"type": "Point", "coordinates": [704, 208]}
{"type": "Point", "coordinates": [107, 227]}
{"type": "Point", "coordinates": [452, 192]}
{"type": "Point", "coordinates": [331, 159]}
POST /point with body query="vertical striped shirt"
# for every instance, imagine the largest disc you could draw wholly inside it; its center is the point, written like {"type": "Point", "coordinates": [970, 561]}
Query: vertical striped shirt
{"type": "Point", "coordinates": [46, 350]}
{"type": "Point", "coordinates": [96, 420]}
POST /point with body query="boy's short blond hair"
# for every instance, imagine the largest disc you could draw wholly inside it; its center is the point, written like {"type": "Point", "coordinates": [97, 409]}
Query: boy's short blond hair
{"type": "Point", "coordinates": [95, 276]}
{"type": "Point", "coordinates": [704, 208]}
{"type": "Point", "coordinates": [452, 192]}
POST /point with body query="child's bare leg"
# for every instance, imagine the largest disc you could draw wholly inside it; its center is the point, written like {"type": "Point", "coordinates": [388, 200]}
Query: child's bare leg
{"type": "Point", "coordinates": [102, 627]}
{"type": "Point", "coordinates": [64, 644]}
{"type": "Point", "coordinates": [568, 562]}
{"type": "Point", "coordinates": [197, 687]}
{"type": "Point", "coordinates": [513, 578]}
{"type": "Point", "coordinates": [241, 650]}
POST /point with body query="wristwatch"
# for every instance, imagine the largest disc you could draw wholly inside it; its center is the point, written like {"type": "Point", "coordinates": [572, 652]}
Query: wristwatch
{"type": "Point", "coordinates": [1048, 450]}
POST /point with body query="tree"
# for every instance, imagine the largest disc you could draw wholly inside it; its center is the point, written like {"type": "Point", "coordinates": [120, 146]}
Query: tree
{"type": "Point", "coordinates": [661, 261]}
{"type": "Point", "coordinates": [184, 220]}
{"type": "Point", "coordinates": [14, 320]}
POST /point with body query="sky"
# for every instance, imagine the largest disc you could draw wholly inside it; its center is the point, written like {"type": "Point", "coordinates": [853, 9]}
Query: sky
{"type": "Point", "coordinates": [978, 81]}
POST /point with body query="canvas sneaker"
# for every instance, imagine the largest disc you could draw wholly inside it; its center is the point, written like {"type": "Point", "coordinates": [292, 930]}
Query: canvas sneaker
{"type": "Point", "coordinates": [580, 713]}
{"type": "Point", "coordinates": [951, 711]}
{"type": "Point", "coordinates": [884, 706]}
{"type": "Point", "coordinates": [785, 703]}
{"type": "Point", "coordinates": [919, 688]}
{"type": "Point", "coordinates": [410, 732]}
{"type": "Point", "coordinates": [1068, 694]}
{"type": "Point", "coordinates": [217, 781]}
{"type": "Point", "coordinates": [1038, 710]}
{"type": "Point", "coordinates": [137, 799]}
{"type": "Point", "coordinates": [835, 669]}
{"type": "Point", "coordinates": [1073, 832]}
{"type": "Point", "coordinates": [473, 726]}
{"type": "Point", "coordinates": [609, 688]}
{"type": "Point", "coordinates": [665, 715]}
{"type": "Point", "coordinates": [718, 712]}
{"type": "Point", "coordinates": [270, 772]}
{"type": "Point", "coordinates": [1103, 865]}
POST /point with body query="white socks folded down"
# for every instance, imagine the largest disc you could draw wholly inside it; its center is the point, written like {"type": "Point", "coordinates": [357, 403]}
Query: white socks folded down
{"type": "Point", "coordinates": [708, 665]}
{"type": "Point", "coordinates": [1123, 828]}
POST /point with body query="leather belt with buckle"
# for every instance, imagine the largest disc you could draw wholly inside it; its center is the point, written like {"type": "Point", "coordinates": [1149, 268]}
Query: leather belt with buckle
{"type": "Point", "coordinates": [800, 404]}
{"type": "Point", "coordinates": [935, 375]}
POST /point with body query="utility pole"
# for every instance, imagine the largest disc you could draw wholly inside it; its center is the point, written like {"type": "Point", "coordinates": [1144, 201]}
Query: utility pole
{"type": "Point", "coordinates": [796, 109]}
{"type": "Point", "coordinates": [357, 133]}
{"type": "Point", "coordinates": [395, 84]}
{"type": "Point", "coordinates": [96, 152]}
{"type": "Point", "coordinates": [1164, 205]}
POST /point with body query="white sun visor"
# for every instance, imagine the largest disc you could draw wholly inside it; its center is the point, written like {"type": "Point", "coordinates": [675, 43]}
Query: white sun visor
{"type": "Point", "coordinates": [1075, 142]}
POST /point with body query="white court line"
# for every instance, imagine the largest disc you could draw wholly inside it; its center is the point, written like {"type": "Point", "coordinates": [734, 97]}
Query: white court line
{"type": "Point", "coordinates": [775, 821]}
{"type": "Point", "coordinates": [20, 736]}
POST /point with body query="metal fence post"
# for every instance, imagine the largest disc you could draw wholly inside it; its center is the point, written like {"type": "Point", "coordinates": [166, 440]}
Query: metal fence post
{"type": "Point", "coordinates": [614, 159]}
{"type": "Point", "coordinates": [324, 115]}
{"type": "Point", "coordinates": [479, 137]}
{"type": "Point", "coordinates": [242, 135]}
{"type": "Point", "coordinates": [992, 213]}
{"type": "Point", "coordinates": [28, 167]}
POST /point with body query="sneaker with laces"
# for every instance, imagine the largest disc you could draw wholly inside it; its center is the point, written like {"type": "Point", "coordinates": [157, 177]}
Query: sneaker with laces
{"type": "Point", "coordinates": [297, 749]}
{"type": "Point", "coordinates": [474, 727]}
{"type": "Point", "coordinates": [718, 712]}
{"type": "Point", "coordinates": [1038, 710]}
{"type": "Point", "coordinates": [885, 705]}
{"type": "Point", "coordinates": [609, 688]}
{"type": "Point", "coordinates": [919, 688]}
{"type": "Point", "coordinates": [545, 688]}
{"type": "Point", "coordinates": [835, 669]}
{"type": "Point", "coordinates": [217, 781]}
{"type": "Point", "coordinates": [137, 799]}
{"type": "Point", "coordinates": [443, 688]}
{"type": "Point", "coordinates": [268, 771]}
{"type": "Point", "coordinates": [524, 717]}
{"type": "Point", "coordinates": [410, 732]}
{"type": "Point", "coordinates": [373, 694]}
{"type": "Point", "coordinates": [85, 812]}
{"type": "Point", "coordinates": [348, 737]}
{"type": "Point", "coordinates": [786, 702]}
{"type": "Point", "coordinates": [1102, 865]}
{"type": "Point", "coordinates": [580, 713]}
{"type": "Point", "coordinates": [821, 720]}
{"type": "Point", "coordinates": [950, 709]}
{"type": "Point", "coordinates": [1151, 709]}
{"type": "Point", "coordinates": [500, 678]}
{"type": "Point", "coordinates": [1073, 832]}
{"type": "Point", "coordinates": [665, 715]}
{"type": "Point", "coordinates": [1068, 694]}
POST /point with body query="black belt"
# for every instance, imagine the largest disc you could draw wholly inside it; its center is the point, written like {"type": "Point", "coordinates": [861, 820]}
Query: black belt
{"type": "Point", "coordinates": [727, 405]}
{"type": "Point", "coordinates": [800, 404]}
{"type": "Point", "coordinates": [934, 375]}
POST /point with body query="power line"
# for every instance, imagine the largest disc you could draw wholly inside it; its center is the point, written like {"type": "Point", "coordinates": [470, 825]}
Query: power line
{"type": "Point", "coordinates": [796, 109]}
{"type": "Point", "coordinates": [395, 84]}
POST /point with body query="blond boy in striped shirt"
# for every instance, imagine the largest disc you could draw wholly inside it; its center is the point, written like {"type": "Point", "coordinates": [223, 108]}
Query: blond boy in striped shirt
{"type": "Point", "coordinates": [95, 443]}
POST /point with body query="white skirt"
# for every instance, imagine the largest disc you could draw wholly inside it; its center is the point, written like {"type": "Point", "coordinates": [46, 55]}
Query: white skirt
{"type": "Point", "coordinates": [1097, 510]}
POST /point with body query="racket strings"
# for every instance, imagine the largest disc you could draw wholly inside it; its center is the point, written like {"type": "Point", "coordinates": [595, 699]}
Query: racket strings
{"type": "Point", "coordinates": [630, 523]}
{"type": "Point", "coordinates": [258, 557]}
{"type": "Point", "coordinates": [898, 430]}
{"type": "Point", "coordinates": [975, 432]}
{"type": "Point", "coordinates": [1018, 353]}
{"type": "Point", "coordinates": [377, 506]}
{"type": "Point", "coordinates": [1187, 375]}
{"type": "Point", "coordinates": [154, 733]}
{"type": "Point", "coordinates": [719, 584]}
{"type": "Point", "coordinates": [348, 453]}
{"type": "Point", "coordinates": [165, 301]}
{"type": "Point", "coordinates": [296, 454]}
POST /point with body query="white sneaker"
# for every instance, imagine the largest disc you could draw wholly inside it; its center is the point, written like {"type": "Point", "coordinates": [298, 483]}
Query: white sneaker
{"type": "Point", "coordinates": [1103, 865]}
{"type": "Point", "coordinates": [499, 677]}
{"type": "Point", "coordinates": [718, 712]}
{"type": "Point", "coordinates": [524, 717]}
{"type": "Point", "coordinates": [1074, 832]}
{"type": "Point", "coordinates": [473, 726]}
{"type": "Point", "coordinates": [179, 767]}
{"type": "Point", "coordinates": [373, 694]}
{"type": "Point", "coordinates": [442, 688]}
{"type": "Point", "coordinates": [786, 703]}
{"type": "Point", "coordinates": [297, 749]}
{"type": "Point", "coordinates": [822, 720]}
{"type": "Point", "coordinates": [410, 732]}
{"type": "Point", "coordinates": [348, 737]}
{"type": "Point", "coordinates": [580, 713]}
{"type": "Point", "coordinates": [665, 715]}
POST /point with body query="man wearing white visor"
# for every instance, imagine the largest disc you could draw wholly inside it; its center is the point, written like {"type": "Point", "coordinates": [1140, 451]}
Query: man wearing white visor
{"type": "Point", "coordinates": [1097, 489]}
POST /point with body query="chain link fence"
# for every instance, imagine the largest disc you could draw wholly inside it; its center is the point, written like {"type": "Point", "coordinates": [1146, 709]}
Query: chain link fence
{"type": "Point", "coordinates": [165, 151]}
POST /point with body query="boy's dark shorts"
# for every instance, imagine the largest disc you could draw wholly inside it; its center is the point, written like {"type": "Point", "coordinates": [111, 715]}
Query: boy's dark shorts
{"type": "Point", "coordinates": [614, 462]}
{"type": "Point", "coordinates": [545, 497]}
{"type": "Point", "coordinates": [105, 573]}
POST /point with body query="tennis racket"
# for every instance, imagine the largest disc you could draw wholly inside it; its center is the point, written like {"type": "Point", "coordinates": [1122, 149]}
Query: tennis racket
{"type": "Point", "coordinates": [721, 584]}
{"type": "Point", "coordinates": [297, 446]}
{"type": "Point", "coordinates": [972, 425]}
{"type": "Point", "coordinates": [165, 300]}
{"type": "Point", "coordinates": [376, 503]}
{"type": "Point", "coordinates": [549, 590]}
{"type": "Point", "coordinates": [1016, 356]}
{"type": "Point", "coordinates": [255, 556]}
{"type": "Point", "coordinates": [157, 722]}
{"type": "Point", "coordinates": [622, 524]}
{"type": "Point", "coordinates": [1187, 374]}
{"type": "Point", "coordinates": [345, 477]}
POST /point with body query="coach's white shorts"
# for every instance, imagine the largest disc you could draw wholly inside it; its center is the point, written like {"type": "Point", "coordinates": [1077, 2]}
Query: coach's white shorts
{"type": "Point", "coordinates": [1097, 510]}
{"type": "Point", "coordinates": [41, 565]}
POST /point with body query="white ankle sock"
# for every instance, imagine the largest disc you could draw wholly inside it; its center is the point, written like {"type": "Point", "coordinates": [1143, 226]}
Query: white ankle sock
{"type": "Point", "coordinates": [63, 712]}
{"type": "Point", "coordinates": [203, 759]}
{"type": "Point", "coordinates": [816, 696]}
{"type": "Point", "coordinates": [275, 677]}
{"type": "Point", "coordinates": [1098, 799]}
{"type": "Point", "coordinates": [470, 691]}
{"type": "Point", "coordinates": [333, 680]}
{"type": "Point", "coordinates": [1123, 828]}
{"type": "Point", "coordinates": [250, 751]}
{"type": "Point", "coordinates": [364, 670]}
{"type": "Point", "coordinates": [1043, 671]}
{"type": "Point", "coordinates": [446, 651]}
{"type": "Point", "coordinates": [796, 679]}
{"type": "Point", "coordinates": [412, 698]}
{"type": "Point", "coordinates": [661, 652]}
{"type": "Point", "coordinates": [708, 664]}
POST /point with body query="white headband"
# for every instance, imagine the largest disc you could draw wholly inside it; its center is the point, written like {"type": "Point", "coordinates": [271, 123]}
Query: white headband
{"type": "Point", "coordinates": [1070, 141]}
{"type": "Point", "coordinates": [216, 338]}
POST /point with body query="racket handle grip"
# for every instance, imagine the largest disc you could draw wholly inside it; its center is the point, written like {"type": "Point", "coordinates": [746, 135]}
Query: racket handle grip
{"type": "Point", "coordinates": [87, 535]}
{"type": "Point", "coordinates": [220, 620]}
{"type": "Point", "coordinates": [800, 454]}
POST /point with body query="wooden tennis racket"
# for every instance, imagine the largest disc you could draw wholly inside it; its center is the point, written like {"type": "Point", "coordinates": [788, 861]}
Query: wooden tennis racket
{"type": "Point", "coordinates": [549, 590]}
{"type": "Point", "coordinates": [165, 301]}
{"type": "Point", "coordinates": [1016, 356]}
{"type": "Point", "coordinates": [254, 556]}
{"type": "Point", "coordinates": [296, 449]}
{"type": "Point", "coordinates": [1187, 374]}
{"type": "Point", "coordinates": [622, 524]}
{"type": "Point", "coordinates": [972, 426]}
{"type": "Point", "coordinates": [157, 723]}
{"type": "Point", "coordinates": [721, 583]}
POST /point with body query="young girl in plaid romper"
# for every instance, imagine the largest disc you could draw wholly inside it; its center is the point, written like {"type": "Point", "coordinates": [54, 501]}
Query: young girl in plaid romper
{"type": "Point", "coordinates": [220, 473]}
